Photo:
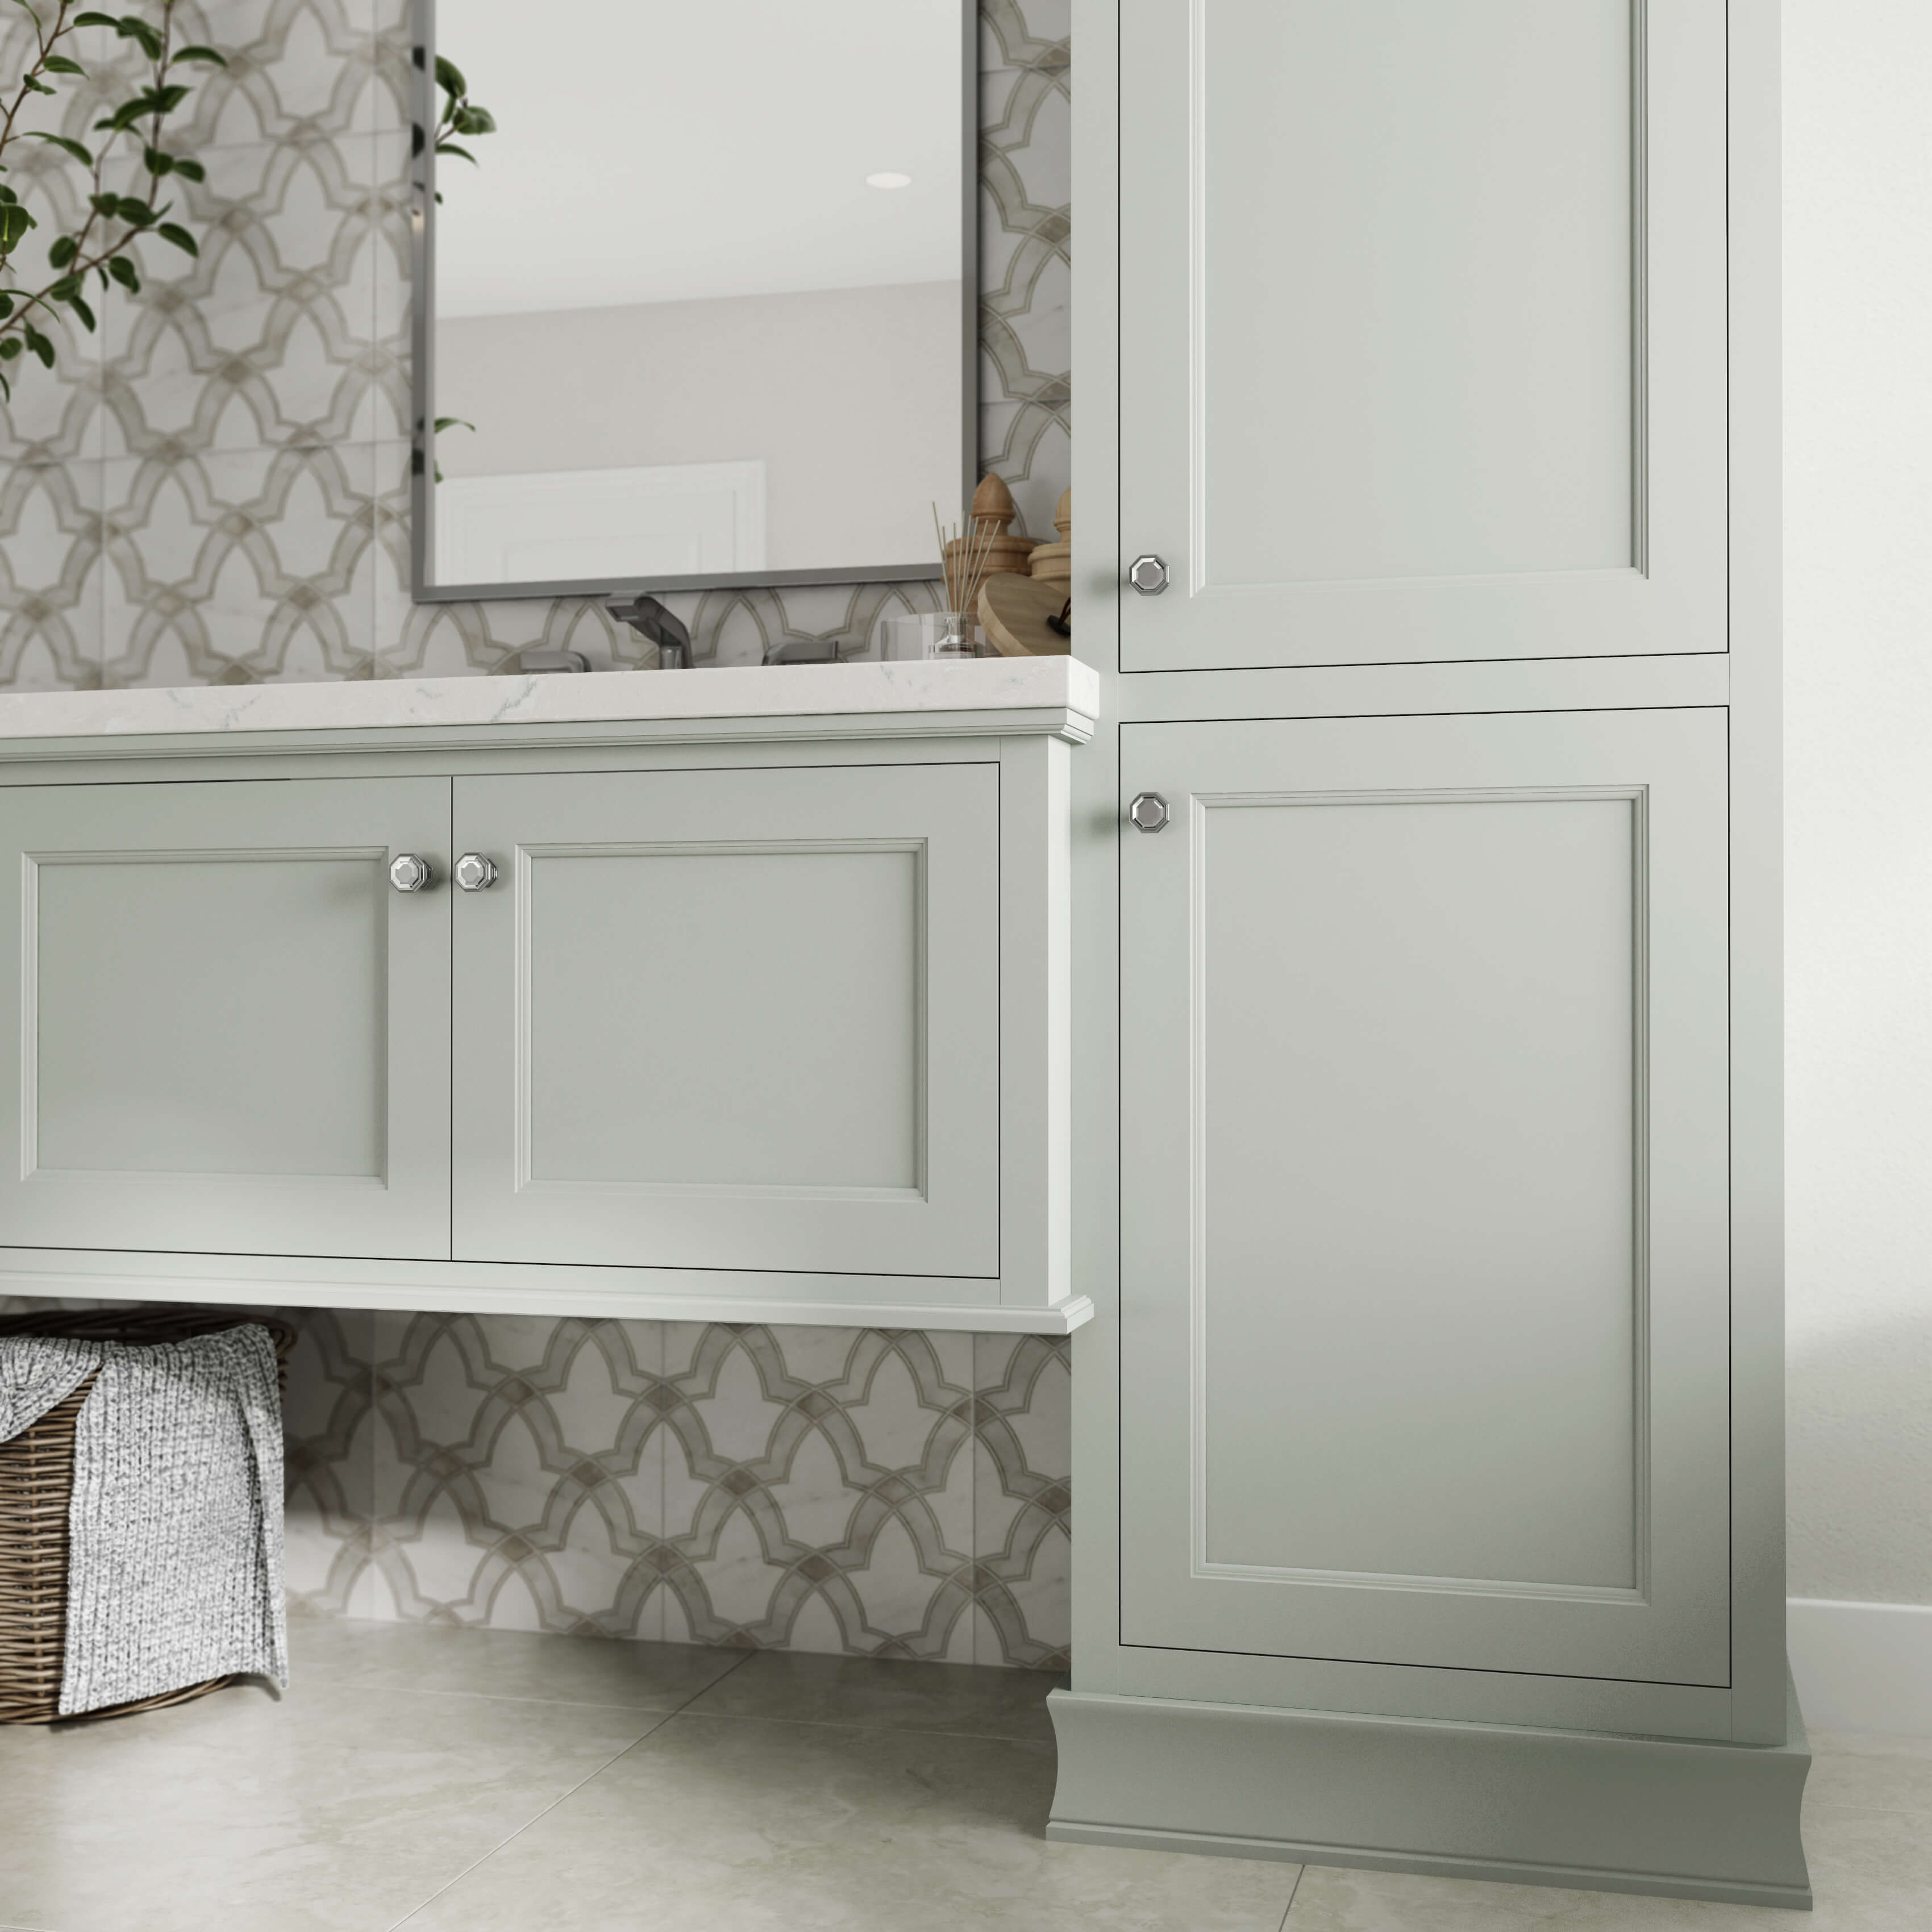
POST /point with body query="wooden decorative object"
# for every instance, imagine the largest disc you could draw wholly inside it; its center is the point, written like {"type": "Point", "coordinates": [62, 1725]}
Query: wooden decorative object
{"type": "Point", "coordinates": [1014, 610]}
{"type": "Point", "coordinates": [36, 1482]}
{"type": "Point", "coordinates": [1053, 562]}
{"type": "Point", "coordinates": [991, 536]}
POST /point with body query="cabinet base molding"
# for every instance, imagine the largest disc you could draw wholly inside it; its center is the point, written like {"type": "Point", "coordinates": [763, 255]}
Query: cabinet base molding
{"type": "Point", "coordinates": [1599, 1814]}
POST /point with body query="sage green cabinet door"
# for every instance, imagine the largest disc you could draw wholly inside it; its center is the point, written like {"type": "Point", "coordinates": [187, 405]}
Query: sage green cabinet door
{"type": "Point", "coordinates": [731, 1019]}
{"type": "Point", "coordinates": [225, 1030]}
{"type": "Point", "coordinates": [1425, 1271]}
{"type": "Point", "coordinates": [1423, 329]}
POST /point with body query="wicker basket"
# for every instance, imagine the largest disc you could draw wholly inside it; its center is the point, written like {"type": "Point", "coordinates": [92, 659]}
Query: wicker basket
{"type": "Point", "coordinates": [36, 1480]}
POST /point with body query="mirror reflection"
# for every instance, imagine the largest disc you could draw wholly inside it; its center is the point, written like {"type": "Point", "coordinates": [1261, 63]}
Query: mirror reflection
{"type": "Point", "coordinates": [694, 297]}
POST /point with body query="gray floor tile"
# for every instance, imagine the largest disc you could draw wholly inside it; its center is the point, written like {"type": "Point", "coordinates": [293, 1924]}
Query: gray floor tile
{"type": "Point", "coordinates": [514, 1664]}
{"type": "Point", "coordinates": [880, 1694]}
{"type": "Point", "coordinates": [744, 1824]}
{"type": "Point", "coordinates": [1872, 1772]}
{"type": "Point", "coordinates": [1871, 1871]}
{"type": "Point", "coordinates": [338, 1809]}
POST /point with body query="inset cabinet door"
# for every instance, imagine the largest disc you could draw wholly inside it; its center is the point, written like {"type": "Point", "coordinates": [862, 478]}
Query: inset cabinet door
{"type": "Point", "coordinates": [224, 1030]}
{"type": "Point", "coordinates": [739, 1019]}
{"type": "Point", "coordinates": [1425, 1275]}
{"type": "Point", "coordinates": [1423, 347]}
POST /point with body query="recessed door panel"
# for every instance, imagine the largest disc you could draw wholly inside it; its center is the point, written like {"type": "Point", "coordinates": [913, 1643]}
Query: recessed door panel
{"type": "Point", "coordinates": [1423, 335]}
{"type": "Point", "coordinates": [232, 1030]}
{"type": "Point", "coordinates": [732, 1020]}
{"type": "Point", "coordinates": [1425, 1267]}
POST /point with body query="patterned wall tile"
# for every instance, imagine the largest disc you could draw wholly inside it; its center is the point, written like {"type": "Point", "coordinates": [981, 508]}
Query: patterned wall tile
{"type": "Point", "coordinates": [1023, 1497]}
{"type": "Point", "coordinates": [819, 1488]}
{"type": "Point", "coordinates": [240, 566]}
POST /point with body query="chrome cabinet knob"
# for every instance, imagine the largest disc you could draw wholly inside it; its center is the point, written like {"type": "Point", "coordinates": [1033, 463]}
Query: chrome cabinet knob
{"type": "Point", "coordinates": [1148, 575]}
{"type": "Point", "coordinates": [410, 874]}
{"type": "Point", "coordinates": [475, 873]}
{"type": "Point", "coordinates": [1149, 810]}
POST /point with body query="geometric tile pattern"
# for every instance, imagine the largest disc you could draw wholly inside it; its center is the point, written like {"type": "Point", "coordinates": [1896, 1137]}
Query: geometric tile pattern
{"type": "Point", "coordinates": [214, 489]}
{"type": "Point", "coordinates": [861, 1492]}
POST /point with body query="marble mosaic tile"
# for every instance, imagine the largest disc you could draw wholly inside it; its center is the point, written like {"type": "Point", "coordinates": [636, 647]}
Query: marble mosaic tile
{"type": "Point", "coordinates": [847, 1491]}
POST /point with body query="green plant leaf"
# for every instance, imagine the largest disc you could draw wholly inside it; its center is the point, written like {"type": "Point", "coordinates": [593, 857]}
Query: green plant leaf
{"type": "Point", "coordinates": [91, 19]}
{"type": "Point", "coordinates": [136, 214]}
{"type": "Point", "coordinates": [34, 86]}
{"type": "Point", "coordinates": [199, 53]}
{"type": "Point", "coordinates": [172, 231]}
{"type": "Point", "coordinates": [60, 64]}
{"type": "Point", "coordinates": [15, 221]}
{"type": "Point", "coordinates": [449, 76]}
{"type": "Point", "coordinates": [156, 163]}
{"type": "Point", "coordinates": [41, 346]}
{"type": "Point", "coordinates": [189, 170]}
{"type": "Point", "coordinates": [132, 27]}
{"type": "Point", "coordinates": [461, 154]}
{"type": "Point", "coordinates": [10, 348]}
{"type": "Point", "coordinates": [6, 305]}
{"type": "Point", "coordinates": [78, 303]}
{"type": "Point", "coordinates": [64, 249]}
{"type": "Point", "coordinates": [474, 121]}
{"type": "Point", "coordinates": [451, 422]}
{"type": "Point", "coordinates": [83, 155]}
{"type": "Point", "coordinates": [124, 272]}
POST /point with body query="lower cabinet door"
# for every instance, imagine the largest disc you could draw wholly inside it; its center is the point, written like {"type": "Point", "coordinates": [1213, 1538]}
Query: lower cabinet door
{"type": "Point", "coordinates": [1425, 1270]}
{"type": "Point", "coordinates": [223, 1030]}
{"type": "Point", "coordinates": [741, 1019]}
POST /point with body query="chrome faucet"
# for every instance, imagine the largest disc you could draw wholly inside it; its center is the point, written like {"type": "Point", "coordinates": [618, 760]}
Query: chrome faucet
{"type": "Point", "coordinates": [652, 622]}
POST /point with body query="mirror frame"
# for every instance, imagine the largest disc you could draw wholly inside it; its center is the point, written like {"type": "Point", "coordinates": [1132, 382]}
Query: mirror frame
{"type": "Point", "coordinates": [422, 358]}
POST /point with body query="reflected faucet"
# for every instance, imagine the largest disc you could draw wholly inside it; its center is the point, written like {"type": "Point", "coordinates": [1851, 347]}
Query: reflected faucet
{"type": "Point", "coordinates": [653, 622]}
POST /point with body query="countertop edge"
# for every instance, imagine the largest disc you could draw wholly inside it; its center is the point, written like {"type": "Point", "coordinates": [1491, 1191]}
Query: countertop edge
{"type": "Point", "coordinates": [1058, 696]}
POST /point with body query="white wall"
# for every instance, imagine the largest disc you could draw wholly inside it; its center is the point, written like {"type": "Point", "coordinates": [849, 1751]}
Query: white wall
{"type": "Point", "coordinates": [852, 397]}
{"type": "Point", "coordinates": [1858, 97]}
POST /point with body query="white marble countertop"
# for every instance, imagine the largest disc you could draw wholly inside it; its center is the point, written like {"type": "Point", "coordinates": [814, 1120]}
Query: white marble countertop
{"type": "Point", "coordinates": [992, 686]}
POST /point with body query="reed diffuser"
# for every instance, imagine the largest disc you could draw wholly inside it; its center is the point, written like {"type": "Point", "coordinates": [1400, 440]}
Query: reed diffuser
{"type": "Point", "coordinates": [965, 553]}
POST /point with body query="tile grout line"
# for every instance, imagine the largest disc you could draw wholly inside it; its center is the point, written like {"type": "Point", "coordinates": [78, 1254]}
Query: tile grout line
{"type": "Point", "coordinates": [1294, 1892]}
{"type": "Point", "coordinates": [844, 1724]}
{"type": "Point", "coordinates": [476, 1864]}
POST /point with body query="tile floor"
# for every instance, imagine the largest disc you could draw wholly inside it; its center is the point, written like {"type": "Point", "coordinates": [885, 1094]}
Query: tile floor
{"type": "Point", "coordinates": [448, 1780]}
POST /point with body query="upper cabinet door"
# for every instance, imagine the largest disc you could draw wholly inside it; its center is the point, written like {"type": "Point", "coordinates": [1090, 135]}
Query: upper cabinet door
{"type": "Point", "coordinates": [732, 1020]}
{"type": "Point", "coordinates": [223, 1030]}
{"type": "Point", "coordinates": [1423, 341]}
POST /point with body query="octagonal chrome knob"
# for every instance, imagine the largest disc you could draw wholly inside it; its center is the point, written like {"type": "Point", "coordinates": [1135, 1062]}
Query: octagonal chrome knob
{"type": "Point", "coordinates": [475, 873]}
{"type": "Point", "coordinates": [410, 874]}
{"type": "Point", "coordinates": [1149, 810]}
{"type": "Point", "coordinates": [1148, 575]}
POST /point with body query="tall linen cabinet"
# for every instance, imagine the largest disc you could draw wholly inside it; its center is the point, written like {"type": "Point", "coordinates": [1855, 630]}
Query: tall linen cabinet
{"type": "Point", "coordinates": [1426, 1010]}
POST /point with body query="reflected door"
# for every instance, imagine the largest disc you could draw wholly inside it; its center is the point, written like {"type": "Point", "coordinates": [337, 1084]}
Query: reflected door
{"type": "Point", "coordinates": [732, 1020]}
{"type": "Point", "coordinates": [226, 1031]}
{"type": "Point", "coordinates": [1425, 1272]}
{"type": "Point", "coordinates": [1423, 329]}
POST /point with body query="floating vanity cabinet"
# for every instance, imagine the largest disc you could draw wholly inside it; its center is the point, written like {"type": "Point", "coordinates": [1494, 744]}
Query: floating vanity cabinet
{"type": "Point", "coordinates": [225, 1030]}
{"type": "Point", "coordinates": [738, 1020]}
{"type": "Point", "coordinates": [1428, 1435]}
{"type": "Point", "coordinates": [731, 994]}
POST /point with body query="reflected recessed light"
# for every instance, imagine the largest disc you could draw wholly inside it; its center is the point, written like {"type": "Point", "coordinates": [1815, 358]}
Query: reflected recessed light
{"type": "Point", "coordinates": [889, 181]}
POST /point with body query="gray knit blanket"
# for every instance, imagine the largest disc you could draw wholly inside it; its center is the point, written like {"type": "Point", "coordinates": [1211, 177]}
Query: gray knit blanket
{"type": "Point", "coordinates": [174, 1563]}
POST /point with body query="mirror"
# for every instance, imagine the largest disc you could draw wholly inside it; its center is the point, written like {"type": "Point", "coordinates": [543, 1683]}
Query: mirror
{"type": "Point", "coordinates": [699, 309]}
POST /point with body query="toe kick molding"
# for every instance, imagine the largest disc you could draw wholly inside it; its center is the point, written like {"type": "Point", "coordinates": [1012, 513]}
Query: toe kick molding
{"type": "Point", "coordinates": [1687, 1820]}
